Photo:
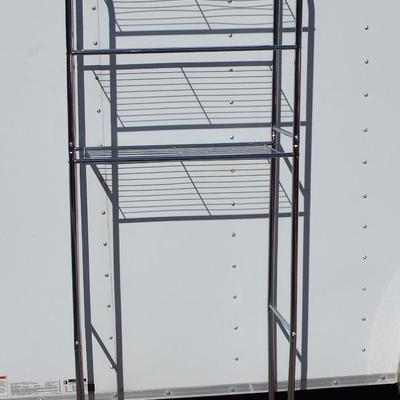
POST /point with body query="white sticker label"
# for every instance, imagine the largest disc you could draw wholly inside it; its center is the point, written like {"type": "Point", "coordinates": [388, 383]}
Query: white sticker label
{"type": "Point", "coordinates": [35, 388]}
{"type": "Point", "coordinates": [3, 386]}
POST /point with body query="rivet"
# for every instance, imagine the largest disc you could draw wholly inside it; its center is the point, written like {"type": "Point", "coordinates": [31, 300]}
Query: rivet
{"type": "Point", "coordinates": [108, 305]}
{"type": "Point", "coordinates": [383, 377]}
{"type": "Point", "coordinates": [103, 213]}
{"type": "Point", "coordinates": [364, 289]}
{"type": "Point", "coordinates": [366, 61]}
{"type": "Point", "coordinates": [363, 349]}
{"type": "Point", "coordinates": [363, 319]}
{"type": "Point", "coordinates": [98, 111]}
{"type": "Point", "coordinates": [168, 393]}
{"type": "Point", "coordinates": [235, 327]}
{"type": "Point", "coordinates": [366, 94]}
{"type": "Point", "coordinates": [236, 358]}
{"type": "Point", "coordinates": [365, 257]}
{"type": "Point", "coordinates": [232, 170]}
{"type": "Point", "coordinates": [230, 102]}
{"type": "Point", "coordinates": [335, 382]}
{"type": "Point", "coordinates": [230, 35]}
{"type": "Point", "coordinates": [105, 244]}
{"type": "Point", "coordinates": [95, 43]}
{"type": "Point", "coordinates": [115, 394]}
{"type": "Point", "coordinates": [94, 8]}
{"type": "Point", "coordinates": [235, 296]}
{"type": "Point", "coordinates": [234, 266]}
{"type": "Point", "coordinates": [233, 234]}
{"type": "Point", "coordinates": [111, 337]}
{"type": "Point", "coordinates": [365, 226]}
{"type": "Point", "coordinates": [365, 162]}
{"type": "Point", "coordinates": [106, 275]}
{"type": "Point", "coordinates": [233, 390]}
{"type": "Point", "coordinates": [232, 137]}
{"type": "Point", "coordinates": [233, 204]}
{"type": "Point", "coordinates": [366, 27]}
{"type": "Point", "coordinates": [230, 69]}
{"type": "Point", "coordinates": [365, 196]}
{"type": "Point", "coordinates": [365, 130]}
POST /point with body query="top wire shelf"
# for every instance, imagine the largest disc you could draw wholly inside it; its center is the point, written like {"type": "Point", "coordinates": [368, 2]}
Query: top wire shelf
{"type": "Point", "coordinates": [167, 17]}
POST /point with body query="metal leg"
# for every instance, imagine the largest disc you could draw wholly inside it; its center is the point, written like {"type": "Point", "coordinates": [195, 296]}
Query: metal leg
{"type": "Point", "coordinates": [273, 211]}
{"type": "Point", "coordinates": [80, 390]}
{"type": "Point", "coordinates": [295, 203]}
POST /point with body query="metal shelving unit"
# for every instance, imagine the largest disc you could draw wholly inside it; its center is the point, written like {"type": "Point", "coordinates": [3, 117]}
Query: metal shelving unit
{"type": "Point", "coordinates": [188, 181]}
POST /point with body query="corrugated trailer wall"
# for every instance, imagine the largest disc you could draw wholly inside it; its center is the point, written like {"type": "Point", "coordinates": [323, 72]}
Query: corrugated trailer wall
{"type": "Point", "coordinates": [193, 293]}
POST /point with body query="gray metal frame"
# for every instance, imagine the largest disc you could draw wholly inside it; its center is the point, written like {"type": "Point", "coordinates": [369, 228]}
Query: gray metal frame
{"type": "Point", "coordinates": [80, 154]}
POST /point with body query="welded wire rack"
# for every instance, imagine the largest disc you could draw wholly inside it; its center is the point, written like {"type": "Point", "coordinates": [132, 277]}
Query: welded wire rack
{"type": "Point", "coordinates": [194, 96]}
{"type": "Point", "coordinates": [140, 17]}
{"type": "Point", "coordinates": [193, 190]}
{"type": "Point", "coordinates": [160, 94]}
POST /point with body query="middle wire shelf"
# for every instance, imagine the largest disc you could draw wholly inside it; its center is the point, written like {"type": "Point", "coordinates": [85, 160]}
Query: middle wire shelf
{"type": "Point", "coordinates": [187, 182]}
{"type": "Point", "coordinates": [181, 152]}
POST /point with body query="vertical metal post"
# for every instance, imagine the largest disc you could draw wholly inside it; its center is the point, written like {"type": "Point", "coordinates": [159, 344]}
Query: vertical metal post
{"type": "Point", "coordinates": [295, 202]}
{"type": "Point", "coordinates": [80, 389]}
{"type": "Point", "coordinates": [273, 208]}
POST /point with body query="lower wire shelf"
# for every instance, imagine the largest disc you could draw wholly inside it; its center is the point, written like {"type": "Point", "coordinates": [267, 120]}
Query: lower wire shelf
{"type": "Point", "coordinates": [181, 152]}
{"type": "Point", "coordinates": [187, 182]}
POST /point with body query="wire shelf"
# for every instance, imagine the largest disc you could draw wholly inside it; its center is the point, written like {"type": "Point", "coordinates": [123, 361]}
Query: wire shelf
{"type": "Point", "coordinates": [158, 17]}
{"type": "Point", "coordinates": [142, 154]}
{"type": "Point", "coordinates": [191, 190]}
{"type": "Point", "coordinates": [193, 97]}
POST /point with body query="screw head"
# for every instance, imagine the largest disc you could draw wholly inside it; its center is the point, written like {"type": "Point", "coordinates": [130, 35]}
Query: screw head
{"type": "Point", "coordinates": [230, 102]}
{"type": "Point", "coordinates": [168, 393]}
{"type": "Point", "coordinates": [94, 8]}
{"type": "Point", "coordinates": [233, 204]}
{"type": "Point", "coordinates": [233, 234]}
{"type": "Point", "coordinates": [364, 289]}
{"type": "Point", "coordinates": [366, 27]}
{"type": "Point", "coordinates": [105, 244]}
{"type": "Point", "coordinates": [235, 327]}
{"type": "Point", "coordinates": [365, 196]}
{"type": "Point", "coordinates": [365, 162]}
{"type": "Point", "coordinates": [335, 382]}
{"type": "Point", "coordinates": [98, 111]}
{"type": "Point", "coordinates": [236, 358]}
{"type": "Point", "coordinates": [233, 170]}
{"type": "Point", "coordinates": [230, 69]}
{"type": "Point", "coordinates": [364, 319]}
{"type": "Point", "coordinates": [234, 266]}
{"type": "Point", "coordinates": [230, 35]}
{"type": "Point", "coordinates": [235, 296]}
{"type": "Point", "coordinates": [106, 275]}
{"type": "Point", "coordinates": [103, 213]}
{"type": "Point", "coordinates": [108, 305]}
{"type": "Point", "coordinates": [95, 43]}
{"type": "Point", "coordinates": [366, 61]}
{"type": "Point", "coordinates": [364, 257]}
{"type": "Point", "coordinates": [111, 337]}
{"type": "Point", "coordinates": [366, 94]}
{"type": "Point", "coordinates": [365, 226]}
{"type": "Point", "coordinates": [232, 137]}
{"type": "Point", "coordinates": [363, 349]}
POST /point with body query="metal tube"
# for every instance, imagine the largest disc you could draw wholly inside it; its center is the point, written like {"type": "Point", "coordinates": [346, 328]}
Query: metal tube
{"type": "Point", "coordinates": [272, 375]}
{"type": "Point", "coordinates": [107, 52]}
{"type": "Point", "coordinates": [295, 203]}
{"type": "Point", "coordinates": [80, 390]}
